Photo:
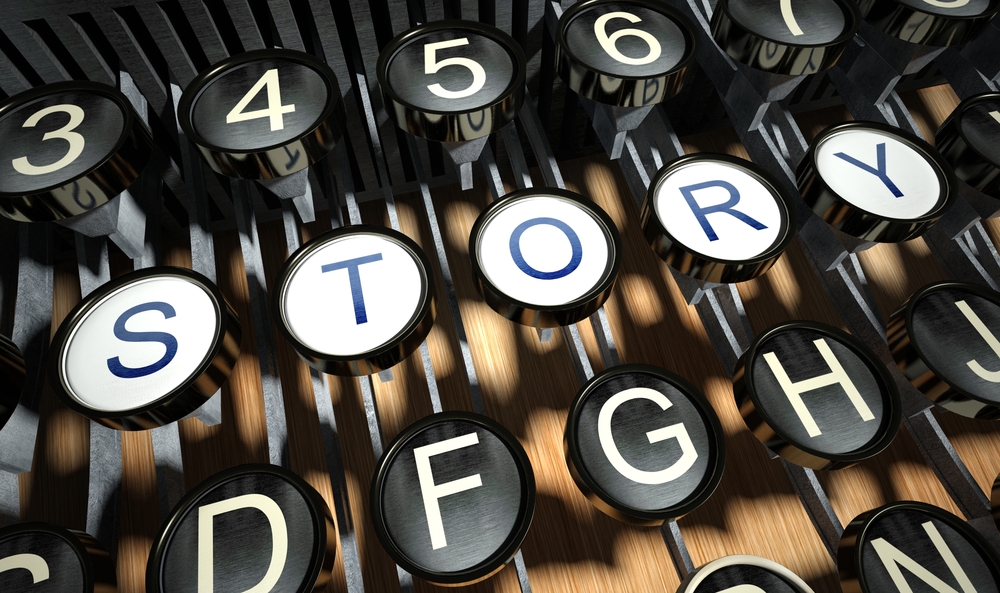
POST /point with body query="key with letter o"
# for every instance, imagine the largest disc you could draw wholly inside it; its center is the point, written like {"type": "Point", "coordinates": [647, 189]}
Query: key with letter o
{"type": "Point", "coordinates": [44, 558]}
{"type": "Point", "coordinates": [355, 301]}
{"type": "Point", "coordinates": [452, 498]}
{"type": "Point", "coordinates": [625, 53]}
{"type": "Point", "coordinates": [68, 148]}
{"type": "Point", "coordinates": [452, 81]}
{"type": "Point", "coordinates": [248, 528]}
{"type": "Point", "coordinates": [545, 257]}
{"type": "Point", "coordinates": [643, 444]}
{"type": "Point", "coordinates": [741, 573]}
{"type": "Point", "coordinates": [263, 114]}
{"type": "Point", "coordinates": [967, 140]}
{"type": "Point", "coordinates": [816, 396]}
{"type": "Point", "coordinates": [145, 349]}
{"type": "Point", "coordinates": [875, 182]}
{"type": "Point", "coordinates": [946, 341]}
{"type": "Point", "coordinates": [930, 22]}
{"type": "Point", "coordinates": [717, 218]}
{"type": "Point", "coordinates": [789, 37]}
{"type": "Point", "coordinates": [912, 546]}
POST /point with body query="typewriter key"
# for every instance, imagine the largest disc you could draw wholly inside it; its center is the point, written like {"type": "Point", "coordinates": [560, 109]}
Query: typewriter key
{"type": "Point", "coordinates": [145, 349]}
{"type": "Point", "coordinates": [930, 22]}
{"type": "Point", "coordinates": [741, 573]}
{"type": "Point", "coordinates": [717, 218]}
{"type": "Point", "coordinates": [643, 444]}
{"type": "Point", "coordinates": [913, 546]}
{"type": "Point", "coordinates": [944, 339]}
{"type": "Point", "coordinates": [789, 37]}
{"type": "Point", "coordinates": [44, 558]}
{"type": "Point", "coordinates": [68, 148]}
{"type": "Point", "coordinates": [816, 395]}
{"type": "Point", "coordinates": [545, 257]}
{"type": "Point", "coordinates": [967, 140]}
{"type": "Point", "coordinates": [452, 498]}
{"type": "Point", "coordinates": [452, 81]}
{"type": "Point", "coordinates": [875, 182]}
{"type": "Point", "coordinates": [355, 301]}
{"type": "Point", "coordinates": [12, 373]}
{"type": "Point", "coordinates": [249, 528]}
{"type": "Point", "coordinates": [626, 53]}
{"type": "Point", "coordinates": [263, 114]}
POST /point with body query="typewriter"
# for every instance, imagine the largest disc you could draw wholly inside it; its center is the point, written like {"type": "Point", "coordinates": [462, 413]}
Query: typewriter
{"type": "Point", "coordinates": [694, 296]}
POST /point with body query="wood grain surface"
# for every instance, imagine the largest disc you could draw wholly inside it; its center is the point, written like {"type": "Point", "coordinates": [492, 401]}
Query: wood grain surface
{"type": "Point", "coordinates": [527, 386]}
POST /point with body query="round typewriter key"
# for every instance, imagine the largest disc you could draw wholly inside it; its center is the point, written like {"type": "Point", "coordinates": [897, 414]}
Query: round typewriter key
{"type": "Point", "coordinates": [717, 218]}
{"type": "Point", "coordinates": [913, 546]}
{"type": "Point", "coordinates": [544, 257]}
{"type": "Point", "coordinates": [816, 395]}
{"type": "Point", "coordinates": [12, 373]}
{"type": "Point", "coordinates": [944, 340]}
{"type": "Point", "coordinates": [790, 37]}
{"type": "Point", "coordinates": [68, 148]}
{"type": "Point", "coordinates": [44, 558]}
{"type": "Point", "coordinates": [741, 573]}
{"type": "Point", "coordinates": [249, 528]}
{"type": "Point", "coordinates": [967, 140]}
{"type": "Point", "coordinates": [145, 349]}
{"type": "Point", "coordinates": [643, 444]}
{"type": "Point", "coordinates": [356, 300]}
{"type": "Point", "coordinates": [452, 498]}
{"type": "Point", "coordinates": [930, 22]}
{"type": "Point", "coordinates": [452, 81]}
{"type": "Point", "coordinates": [626, 53]}
{"type": "Point", "coordinates": [263, 114]}
{"type": "Point", "coordinates": [875, 182]}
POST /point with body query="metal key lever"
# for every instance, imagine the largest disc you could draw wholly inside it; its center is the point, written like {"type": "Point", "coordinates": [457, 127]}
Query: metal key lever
{"type": "Point", "coordinates": [32, 314]}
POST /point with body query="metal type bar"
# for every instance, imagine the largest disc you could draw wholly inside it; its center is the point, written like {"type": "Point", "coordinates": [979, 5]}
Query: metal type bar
{"type": "Point", "coordinates": [324, 409]}
{"type": "Point", "coordinates": [672, 536]}
{"type": "Point", "coordinates": [446, 278]}
{"type": "Point", "coordinates": [105, 470]}
{"type": "Point", "coordinates": [274, 403]}
{"type": "Point", "coordinates": [32, 315]}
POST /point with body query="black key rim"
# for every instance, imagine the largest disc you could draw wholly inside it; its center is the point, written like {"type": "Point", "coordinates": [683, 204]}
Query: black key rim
{"type": "Point", "coordinates": [909, 356]}
{"type": "Point", "coordinates": [597, 495]}
{"type": "Point", "coordinates": [263, 163]}
{"type": "Point", "coordinates": [762, 425]}
{"type": "Point", "coordinates": [113, 175]}
{"type": "Point", "coordinates": [697, 265]}
{"type": "Point", "coordinates": [503, 555]}
{"type": "Point", "coordinates": [390, 353]}
{"type": "Point", "coordinates": [324, 547]}
{"type": "Point", "coordinates": [444, 126]}
{"type": "Point", "coordinates": [857, 222]}
{"type": "Point", "coordinates": [187, 397]}
{"type": "Point", "coordinates": [541, 315]}
{"type": "Point", "coordinates": [582, 78]}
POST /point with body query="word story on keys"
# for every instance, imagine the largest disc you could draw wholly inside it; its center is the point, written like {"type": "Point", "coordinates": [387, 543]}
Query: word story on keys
{"type": "Point", "coordinates": [321, 404]}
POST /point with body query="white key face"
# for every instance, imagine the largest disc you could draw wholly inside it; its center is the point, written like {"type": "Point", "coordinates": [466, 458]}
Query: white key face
{"type": "Point", "coordinates": [139, 343]}
{"type": "Point", "coordinates": [879, 173]}
{"type": "Point", "coordinates": [719, 210]}
{"type": "Point", "coordinates": [545, 251]}
{"type": "Point", "coordinates": [352, 295]}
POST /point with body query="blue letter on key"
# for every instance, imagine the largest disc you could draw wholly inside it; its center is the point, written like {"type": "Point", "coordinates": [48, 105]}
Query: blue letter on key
{"type": "Point", "coordinates": [878, 172]}
{"type": "Point", "coordinates": [115, 364]}
{"type": "Point", "coordinates": [360, 315]}
{"type": "Point", "coordinates": [574, 242]}
{"type": "Point", "coordinates": [702, 213]}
